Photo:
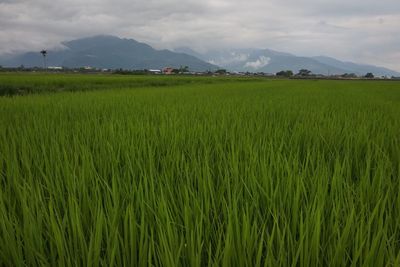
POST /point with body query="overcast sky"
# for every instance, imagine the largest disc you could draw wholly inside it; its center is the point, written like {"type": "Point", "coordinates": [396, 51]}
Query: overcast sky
{"type": "Point", "coordinates": [358, 30]}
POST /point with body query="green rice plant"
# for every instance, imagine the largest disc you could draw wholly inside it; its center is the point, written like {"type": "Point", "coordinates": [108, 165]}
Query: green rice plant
{"type": "Point", "coordinates": [211, 172]}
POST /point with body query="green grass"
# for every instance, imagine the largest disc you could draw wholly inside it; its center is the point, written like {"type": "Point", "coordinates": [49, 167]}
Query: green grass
{"type": "Point", "coordinates": [22, 84]}
{"type": "Point", "coordinates": [207, 173]}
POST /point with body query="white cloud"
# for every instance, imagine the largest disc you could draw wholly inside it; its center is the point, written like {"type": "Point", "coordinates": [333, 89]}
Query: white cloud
{"type": "Point", "coordinates": [357, 30]}
{"type": "Point", "coordinates": [259, 63]}
{"type": "Point", "coordinates": [232, 58]}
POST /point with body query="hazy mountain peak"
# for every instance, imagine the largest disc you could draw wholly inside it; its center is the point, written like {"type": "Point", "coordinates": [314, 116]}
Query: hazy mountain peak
{"type": "Point", "coordinates": [87, 42]}
{"type": "Point", "coordinates": [105, 51]}
{"type": "Point", "coordinates": [271, 61]}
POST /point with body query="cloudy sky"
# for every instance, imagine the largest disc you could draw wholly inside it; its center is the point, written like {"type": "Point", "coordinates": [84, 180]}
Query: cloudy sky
{"type": "Point", "coordinates": [365, 31]}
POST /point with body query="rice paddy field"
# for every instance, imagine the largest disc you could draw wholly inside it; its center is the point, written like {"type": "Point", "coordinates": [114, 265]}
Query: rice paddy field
{"type": "Point", "coordinates": [107, 170]}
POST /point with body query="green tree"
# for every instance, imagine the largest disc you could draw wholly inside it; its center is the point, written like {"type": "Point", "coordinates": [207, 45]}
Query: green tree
{"type": "Point", "coordinates": [44, 54]}
{"type": "Point", "coordinates": [349, 75]}
{"type": "Point", "coordinates": [369, 75]}
{"type": "Point", "coordinates": [285, 73]}
{"type": "Point", "coordinates": [304, 72]}
{"type": "Point", "coordinates": [220, 71]}
{"type": "Point", "coordinates": [184, 69]}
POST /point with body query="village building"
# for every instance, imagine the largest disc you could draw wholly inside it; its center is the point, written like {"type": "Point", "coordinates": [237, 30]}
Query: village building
{"type": "Point", "coordinates": [168, 70]}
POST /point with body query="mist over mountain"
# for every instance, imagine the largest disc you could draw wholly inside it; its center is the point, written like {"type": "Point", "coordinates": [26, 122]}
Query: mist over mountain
{"type": "Point", "coordinates": [109, 52]}
{"type": "Point", "coordinates": [359, 69]}
{"type": "Point", "coordinates": [270, 61]}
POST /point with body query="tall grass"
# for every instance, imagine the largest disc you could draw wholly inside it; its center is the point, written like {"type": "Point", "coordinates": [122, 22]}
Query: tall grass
{"type": "Point", "coordinates": [274, 173]}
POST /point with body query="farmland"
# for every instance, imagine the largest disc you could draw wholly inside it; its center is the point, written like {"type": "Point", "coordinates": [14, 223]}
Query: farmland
{"type": "Point", "coordinates": [198, 171]}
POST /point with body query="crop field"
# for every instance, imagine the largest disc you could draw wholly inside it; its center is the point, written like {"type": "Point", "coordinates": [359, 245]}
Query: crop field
{"type": "Point", "coordinates": [108, 170]}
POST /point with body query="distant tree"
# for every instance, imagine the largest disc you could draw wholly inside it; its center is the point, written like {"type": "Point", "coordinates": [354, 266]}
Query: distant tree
{"type": "Point", "coordinates": [44, 54]}
{"type": "Point", "coordinates": [304, 72]}
{"type": "Point", "coordinates": [369, 75]}
{"type": "Point", "coordinates": [349, 75]}
{"type": "Point", "coordinates": [176, 71]}
{"type": "Point", "coordinates": [285, 73]}
{"type": "Point", "coordinates": [184, 69]}
{"type": "Point", "coordinates": [220, 71]}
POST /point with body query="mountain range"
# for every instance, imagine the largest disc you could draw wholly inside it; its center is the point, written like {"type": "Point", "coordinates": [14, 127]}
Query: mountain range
{"type": "Point", "coordinates": [110, 52]}
{"type": "Point", "coordinates": [270, 61]}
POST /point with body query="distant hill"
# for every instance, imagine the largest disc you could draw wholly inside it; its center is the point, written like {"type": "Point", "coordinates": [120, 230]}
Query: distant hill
{"type": "Point", "coordinates": [270, 61]}
{"type": "Point", "coordinates": [359, 69]}
{"type": "Point", "coordinates": [109, 52]}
